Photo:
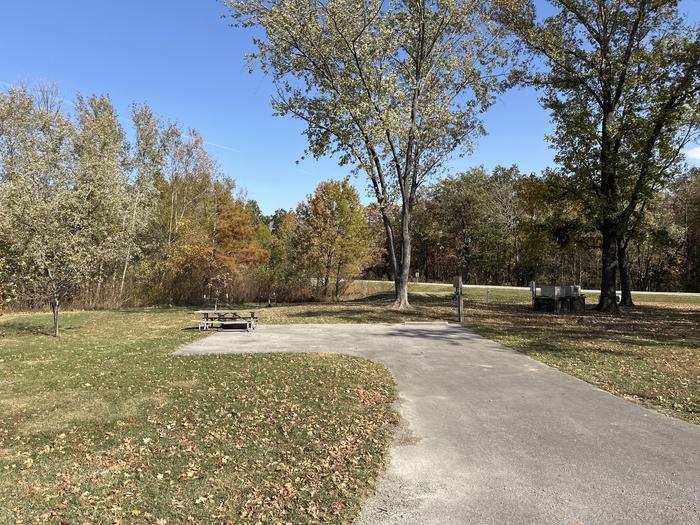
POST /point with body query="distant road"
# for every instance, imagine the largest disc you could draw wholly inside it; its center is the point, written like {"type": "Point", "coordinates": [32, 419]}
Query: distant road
{"type": "Point", "coordinates": [525, 288]}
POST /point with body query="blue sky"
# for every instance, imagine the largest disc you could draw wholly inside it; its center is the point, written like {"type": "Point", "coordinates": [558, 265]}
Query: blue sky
{"type": "Point", "coordinates": [180, 57]}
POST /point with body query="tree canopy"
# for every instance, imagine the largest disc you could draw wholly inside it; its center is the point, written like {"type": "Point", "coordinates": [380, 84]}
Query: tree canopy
{"type": "Point", "coordinates": [394, 88]}
{"type": "Point", "coordinates": [622, 83]}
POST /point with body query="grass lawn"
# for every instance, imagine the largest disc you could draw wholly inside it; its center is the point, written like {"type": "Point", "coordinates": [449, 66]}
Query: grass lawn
{"type": "Point", "coordinates": [104, 425]}
{"type": "Point", "coordinates": [360, 289]}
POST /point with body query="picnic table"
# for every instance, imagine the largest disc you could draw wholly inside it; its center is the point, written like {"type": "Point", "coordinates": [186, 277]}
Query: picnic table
{"type": "Point", "coordinates": [241, 318]}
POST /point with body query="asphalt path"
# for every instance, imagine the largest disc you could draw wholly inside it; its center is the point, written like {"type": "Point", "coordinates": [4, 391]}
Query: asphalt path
{"type": "Point", "coordinates": [490, 436]}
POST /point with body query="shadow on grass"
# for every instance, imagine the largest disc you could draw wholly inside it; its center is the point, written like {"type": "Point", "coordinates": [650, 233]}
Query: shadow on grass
{"type": "Point", "coordinates": [378, 297]}
{"type": "Point", "coordinates": [19, 327]}
{"type": "Point", "coordinates": [642, 332]}
{"type": "Point", "coordinates": [388, 298]}
{"type": "Point", "coordinates": [568, 346]}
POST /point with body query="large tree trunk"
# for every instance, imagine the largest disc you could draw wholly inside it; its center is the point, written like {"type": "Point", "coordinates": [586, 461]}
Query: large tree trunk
{"type": "Point", "coordinates": [625, 275]}
{"type": "Point", "coordinates": [337, 280]}
{"type": "Point", "coordinates": [608, 284]}
{"type": "Point", "coordinates": [402, 276]}
{"type": "Point", "coordinates": [390, 245]}
{"type": "Point", "coordinates": [401, 288]}
{"type": "Point", "coordinates": [609, 228]}
{"type": "Point", "coordinates": [400, 269]}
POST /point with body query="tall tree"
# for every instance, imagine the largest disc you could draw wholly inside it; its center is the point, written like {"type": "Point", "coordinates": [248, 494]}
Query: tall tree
{"type": "Point", "coordinates": [333, 235]}
{"type": "Point", "coordinates": [147, 163]}
{"type": "Point", "coordinates": [393, 87]}
{"type": "Point", "coordinates": [280, 270]}
{"type": "Point", "coordinates": [103, 186]}
{"type": "Point", "coordinates": [42, 215]}
{"type": "Point", "coordinates": [621, 80]}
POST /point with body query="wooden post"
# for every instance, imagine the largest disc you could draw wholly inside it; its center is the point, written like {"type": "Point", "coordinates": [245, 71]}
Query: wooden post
{"type": "Point", "coordinates": [458, 298]}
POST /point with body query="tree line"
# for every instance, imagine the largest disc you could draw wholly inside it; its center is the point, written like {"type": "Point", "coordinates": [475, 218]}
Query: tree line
{"type": "Point", "coordinates": [508, 228]}
{"type": "Point", "coordinates": [92, 219]}
{"type": "Point", "coordinates": [397, 89]}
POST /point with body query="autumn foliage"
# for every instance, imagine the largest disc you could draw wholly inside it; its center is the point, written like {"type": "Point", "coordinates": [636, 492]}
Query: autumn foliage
{"type": "Point", "coordinates": [89, 219]}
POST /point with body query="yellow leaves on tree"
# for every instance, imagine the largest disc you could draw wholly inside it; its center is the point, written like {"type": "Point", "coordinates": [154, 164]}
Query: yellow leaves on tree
{"type": "Point", "coordinates": [215, 237]}
{"type": "Point", "coordinates": [237, 237]}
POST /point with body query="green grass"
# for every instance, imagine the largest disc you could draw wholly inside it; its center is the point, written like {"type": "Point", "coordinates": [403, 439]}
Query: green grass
{"type": "Point", "coordinates": [649, 298]}
{"type": "Point", "coordinates": [104, 425]}
{"type": "Point", "coordinates": [360, 289]}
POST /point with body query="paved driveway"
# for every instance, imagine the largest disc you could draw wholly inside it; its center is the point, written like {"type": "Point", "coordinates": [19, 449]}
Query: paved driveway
{"type": "Point", "coordinates": [492, 436]}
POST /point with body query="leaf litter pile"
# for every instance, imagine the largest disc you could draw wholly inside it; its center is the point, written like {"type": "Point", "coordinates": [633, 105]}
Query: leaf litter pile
{"type": "Point", "coordinates": [106, 426]}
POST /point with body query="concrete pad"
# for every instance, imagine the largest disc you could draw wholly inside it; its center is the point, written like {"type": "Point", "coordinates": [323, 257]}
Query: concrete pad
{"type": "Point", "coordinates": [490, 436]}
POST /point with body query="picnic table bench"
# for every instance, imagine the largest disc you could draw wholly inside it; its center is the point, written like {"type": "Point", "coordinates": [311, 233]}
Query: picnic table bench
{"type": "Point", "coordinates": [226, 319]}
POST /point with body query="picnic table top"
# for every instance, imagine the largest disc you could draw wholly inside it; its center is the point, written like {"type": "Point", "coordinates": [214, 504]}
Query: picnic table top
{"type": "Point", "coordinates": [223, 312]}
